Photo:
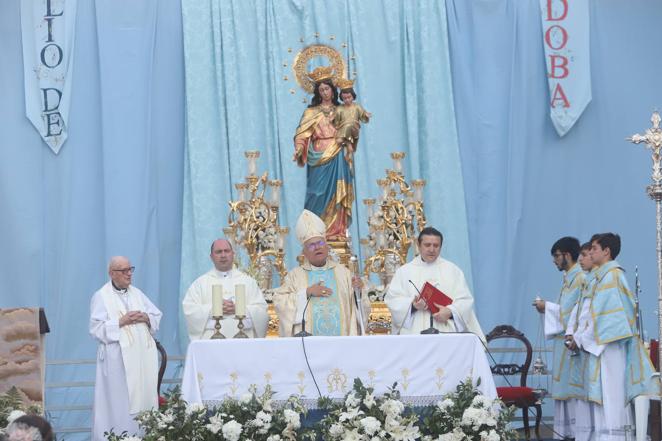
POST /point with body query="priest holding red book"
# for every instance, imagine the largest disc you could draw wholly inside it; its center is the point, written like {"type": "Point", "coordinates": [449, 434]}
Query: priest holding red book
{"type": "Point", "coordinates": [428, 285]}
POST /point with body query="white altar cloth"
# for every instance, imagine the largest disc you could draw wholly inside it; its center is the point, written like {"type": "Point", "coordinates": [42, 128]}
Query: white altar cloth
{"type": "Point", "coordinates": [424, 366]}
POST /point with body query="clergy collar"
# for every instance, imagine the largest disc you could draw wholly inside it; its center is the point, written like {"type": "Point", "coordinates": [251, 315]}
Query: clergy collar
{"type": "Point", "coordinates": [419, 261]}
{"type": "Point", "coordinates": [222, 274]}
{"type": "Point", "coordinates": [118, 290]}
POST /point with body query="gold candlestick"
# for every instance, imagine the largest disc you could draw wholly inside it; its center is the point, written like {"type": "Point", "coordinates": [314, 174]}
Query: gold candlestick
{"type": "Point", "coordinates": [240, 325]}
{"type": "Point", "coordinates": [217, 326]}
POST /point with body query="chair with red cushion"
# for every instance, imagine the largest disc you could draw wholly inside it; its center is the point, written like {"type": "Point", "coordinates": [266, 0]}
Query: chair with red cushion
{"type": "Point", "coordinates": [520, 396]}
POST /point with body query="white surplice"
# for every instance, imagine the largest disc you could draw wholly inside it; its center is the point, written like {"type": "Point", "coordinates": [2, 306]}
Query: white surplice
{"type": "Point", "coordinates": [197, 305]}
{"type": "Point", "coordinates": [127, 360]}
{"type": "Point", "coordinates": [564, 410]}
{"type": "Point", "coordinates": [445, 276]}
{"type": "Point", "coordinates": [609, 421]}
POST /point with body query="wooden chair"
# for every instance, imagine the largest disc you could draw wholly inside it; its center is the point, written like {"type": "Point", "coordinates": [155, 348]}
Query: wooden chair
{"type": "Point", "coordinates": [520, 396]}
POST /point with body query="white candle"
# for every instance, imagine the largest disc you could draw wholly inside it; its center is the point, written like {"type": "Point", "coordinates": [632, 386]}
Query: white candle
{"type": "Point", "coordinates": [240, 300]}
{"type": "Point", "coordinates": [216, 300]}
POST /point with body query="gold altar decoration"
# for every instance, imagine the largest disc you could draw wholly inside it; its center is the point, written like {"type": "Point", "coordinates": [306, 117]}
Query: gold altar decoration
{"type": "Point", "coordinates": [653, 141]}
{"type": "Point", "coordinates": [301, 60]}
{"type": "Point", "coordinates": [394, 220]}
{"type": "Point", "coordinates": [253, 223]}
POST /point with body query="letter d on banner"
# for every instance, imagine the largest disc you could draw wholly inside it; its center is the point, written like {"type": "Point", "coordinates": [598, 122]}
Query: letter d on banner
{"type": "Point", "coordinates": [47, 32]}
{"type": "Point", "coordinates": [565, 31]}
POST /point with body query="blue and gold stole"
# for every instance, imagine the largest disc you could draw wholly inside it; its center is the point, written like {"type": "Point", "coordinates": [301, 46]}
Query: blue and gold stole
{"type": "Point", "coordinates": [325, 311]}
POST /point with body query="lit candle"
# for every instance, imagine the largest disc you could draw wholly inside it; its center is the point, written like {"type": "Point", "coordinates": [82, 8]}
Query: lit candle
{"type": "Point", "coordinates": [240, 300]}
{"type": "Point", "coordinates": [216, 300]}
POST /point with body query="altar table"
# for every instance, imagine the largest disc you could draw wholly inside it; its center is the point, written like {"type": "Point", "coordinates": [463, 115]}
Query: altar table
{"type": "Point", "coordinates": [425, 367]}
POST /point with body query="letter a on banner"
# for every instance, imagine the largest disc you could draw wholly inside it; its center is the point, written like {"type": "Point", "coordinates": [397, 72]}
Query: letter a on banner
{"type": "Point", "coordinates": [47, 30]}
{"type": "Point", "coordinates": [565, 28]}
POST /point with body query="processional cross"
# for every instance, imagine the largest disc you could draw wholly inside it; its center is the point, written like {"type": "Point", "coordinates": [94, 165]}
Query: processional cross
{"type": "Point", "coordinates": [653, 140]}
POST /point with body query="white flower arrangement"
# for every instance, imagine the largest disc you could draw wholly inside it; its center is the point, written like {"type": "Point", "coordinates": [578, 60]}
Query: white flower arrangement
{"type": "Point", "coordinates": [252, 417]}
{"type": "Point", "coordinates": [267, 239]}
{"type": "Point", "coordinates": [362, 416]}
{"type": "Point", "coordinates": [466, 415]}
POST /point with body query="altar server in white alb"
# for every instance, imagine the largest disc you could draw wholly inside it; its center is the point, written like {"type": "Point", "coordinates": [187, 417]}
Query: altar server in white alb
{"type": "Point", "coordinates": [124, 321]}
{"type": "Point", "coordinates": [197, 304]}
{"type": "Point", "coordinates": [565, 252]}
{"type": "Point", "coordinates": [410, 313]}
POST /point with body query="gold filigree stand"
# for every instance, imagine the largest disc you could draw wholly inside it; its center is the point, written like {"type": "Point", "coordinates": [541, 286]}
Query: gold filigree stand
{"type": "Point", "coordinates": [217, 326]}
{"type": "Point", "coordinates": [240, 325]}
{"type": "Point", "coordinates": [379, 321]}
{"type": "Point", "coordinates": [341, 248]}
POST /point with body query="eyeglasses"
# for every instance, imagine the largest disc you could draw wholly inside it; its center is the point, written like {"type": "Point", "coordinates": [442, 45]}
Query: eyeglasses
{"type": "Point", "coordinates": [125, 270]}
{"type": "Point", "coordinates": [315, 245]}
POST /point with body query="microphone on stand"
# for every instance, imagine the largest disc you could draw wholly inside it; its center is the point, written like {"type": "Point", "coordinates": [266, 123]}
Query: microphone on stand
{"type": "Point", "coordinates": [303, 332]}
{"type": "Point", "coordinates": [431, 329]}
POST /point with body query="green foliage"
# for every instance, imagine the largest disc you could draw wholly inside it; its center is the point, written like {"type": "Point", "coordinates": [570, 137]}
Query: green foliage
{"type": "Point", "coordinates": [254, 417]}
{"type": "Point", "coordinates": [466, 415]}
{"type": "Point", "coordinates": [361, 416]}
{"type": "Point", "coordinates": [12, 400]}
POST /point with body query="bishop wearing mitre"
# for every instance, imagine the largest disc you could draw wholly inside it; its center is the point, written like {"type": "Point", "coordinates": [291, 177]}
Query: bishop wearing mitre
{"type": "Point", "coordinates": [320, 290]}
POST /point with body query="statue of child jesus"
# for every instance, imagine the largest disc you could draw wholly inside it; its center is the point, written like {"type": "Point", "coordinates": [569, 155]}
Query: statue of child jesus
{"type": "Point", "coordinates": [348, 117]}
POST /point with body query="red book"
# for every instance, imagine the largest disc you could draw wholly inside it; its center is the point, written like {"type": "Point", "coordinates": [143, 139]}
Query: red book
{"type": "Point", "coordinates": [433, 297]}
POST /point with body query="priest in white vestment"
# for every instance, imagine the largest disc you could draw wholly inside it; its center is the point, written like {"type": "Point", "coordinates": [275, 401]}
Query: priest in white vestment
{"type": "Point", "coordinates": [123, 320]}
{"type": "Point", "coordinates": [410, 313]}
{"type": "Point", "coordinates": [197, 303]}
{"type": "Point", "coordinates": [321, 293]}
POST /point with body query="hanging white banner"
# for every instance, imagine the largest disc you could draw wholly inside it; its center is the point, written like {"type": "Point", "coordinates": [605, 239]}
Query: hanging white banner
{"type": "Point", "coordinates": [47, 28]}
{"type": "Point", "coordinates": [565, 27]}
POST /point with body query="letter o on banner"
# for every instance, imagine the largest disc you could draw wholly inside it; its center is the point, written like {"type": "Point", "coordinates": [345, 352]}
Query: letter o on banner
{"type": "Point", "coordinates": [53, 53]}
{"type": "Point", "coordinates": [552, 36]}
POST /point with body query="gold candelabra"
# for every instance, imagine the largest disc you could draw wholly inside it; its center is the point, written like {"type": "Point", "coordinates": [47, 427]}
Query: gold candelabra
{"type": "Point", "coordinates": [653, 140]}
{"type": "Point", "coordinates": [253, 223]}
{"type": "Point", "coordinates": [394, 220]}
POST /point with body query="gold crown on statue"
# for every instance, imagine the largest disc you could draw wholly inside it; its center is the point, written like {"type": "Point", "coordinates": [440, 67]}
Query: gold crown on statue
{"type": "Point", "coordinates": [344, 83]}
{"type": "Point", "coordinates": [321, 73]}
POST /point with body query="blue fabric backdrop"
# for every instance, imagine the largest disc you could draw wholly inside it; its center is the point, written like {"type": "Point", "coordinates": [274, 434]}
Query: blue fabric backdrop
{"type": "Point", "coordinates": [118, 185]}
{"type": "Point", "coordinates": [115, 187]}
{"type": "Point", "coordinates": [238, 50]}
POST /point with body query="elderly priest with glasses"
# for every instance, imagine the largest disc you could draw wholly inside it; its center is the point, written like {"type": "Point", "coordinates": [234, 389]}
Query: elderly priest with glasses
{"type": "Point", "coordinates": [320, 295]}
{"type": "Point", "coordinates": [123, 320]}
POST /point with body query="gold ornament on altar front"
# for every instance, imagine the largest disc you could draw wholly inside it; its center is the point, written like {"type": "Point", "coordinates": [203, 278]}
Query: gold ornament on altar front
{"type": "Point", "coordinates": [394, 223]}
{"type": "Point", "coordinates": [334, 70]}
{"type": "Point", "coordinates": [253, 223]}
